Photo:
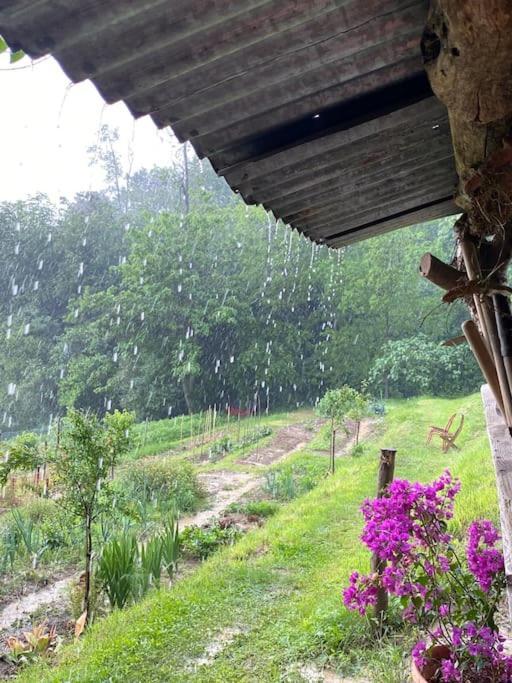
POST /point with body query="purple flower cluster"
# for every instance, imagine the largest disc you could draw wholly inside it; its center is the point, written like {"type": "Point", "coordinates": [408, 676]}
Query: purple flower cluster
{"type": "Point", "coordinates": [361, 592]}
{"type": "Point", "coordinates": [484, 560]}
{"type": "Point", "coordinates": [409, 517]}
{"type": "Point", "coordinates": [476, 654]}
{"type": "Point", "coordinates": [399, 528]}
{"type": "Point", "coordinates": [406, 529]}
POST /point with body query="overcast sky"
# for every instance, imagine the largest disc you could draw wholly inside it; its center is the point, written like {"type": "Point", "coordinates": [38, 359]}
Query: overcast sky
{"type": "Point", "coordinates": [48, 124]}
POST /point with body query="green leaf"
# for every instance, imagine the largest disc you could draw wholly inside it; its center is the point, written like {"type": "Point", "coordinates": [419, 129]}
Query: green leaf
{"type": "Point", "coordinates": [16, 56]}
{"type": "Point", "coordinates": [3, 45]}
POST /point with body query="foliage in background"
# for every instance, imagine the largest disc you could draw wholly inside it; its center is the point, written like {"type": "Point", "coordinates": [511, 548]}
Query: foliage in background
{"type": "Point", "coordinates": [139, 297]}
{"type": "Point", "coordinates": [418, 365]}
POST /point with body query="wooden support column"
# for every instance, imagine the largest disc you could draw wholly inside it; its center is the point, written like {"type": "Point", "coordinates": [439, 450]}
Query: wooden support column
{"type": "Point", "coordinates": [386, 474]}
{"type": "Point", "coordinates": [501, 448]}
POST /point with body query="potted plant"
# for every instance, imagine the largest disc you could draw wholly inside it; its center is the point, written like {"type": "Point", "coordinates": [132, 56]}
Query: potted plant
{"type": "Point", "coordinates": [449, 592]}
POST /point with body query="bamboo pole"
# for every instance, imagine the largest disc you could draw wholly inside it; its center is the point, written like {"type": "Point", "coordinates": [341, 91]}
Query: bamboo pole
{"type": "Point", "coordinates": [488, 325]}
{"type": "Point", "coordinates": [484, 360]}
{"type": "Point", "coordinates": [440, 273]}
{"type": "Point", "coordinates": [504, 324]}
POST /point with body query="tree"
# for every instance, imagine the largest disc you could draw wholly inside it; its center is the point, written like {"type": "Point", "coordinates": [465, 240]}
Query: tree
{"type": "Point", "coordinates": [340, 405]}
{"type": "Point", "coordinates": [418, 365]}
{"type": "Point", "coordinates": [87, 449]}
{"type": "Point", "coordinates": [22, 453]}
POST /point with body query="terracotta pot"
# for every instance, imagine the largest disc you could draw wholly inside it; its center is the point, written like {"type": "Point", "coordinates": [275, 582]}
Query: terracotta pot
{"type": "Point", "coordinates": [434, 656]}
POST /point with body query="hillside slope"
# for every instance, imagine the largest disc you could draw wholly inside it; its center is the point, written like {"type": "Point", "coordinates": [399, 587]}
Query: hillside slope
{"type": "Point", "coordinates": [269, 608]}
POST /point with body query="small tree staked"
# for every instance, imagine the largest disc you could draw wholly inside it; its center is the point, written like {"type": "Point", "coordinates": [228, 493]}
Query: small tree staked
{"type": "Point", "coordinates": [86, 452]}
{"type": "Point", "coordinates": [340, 405]}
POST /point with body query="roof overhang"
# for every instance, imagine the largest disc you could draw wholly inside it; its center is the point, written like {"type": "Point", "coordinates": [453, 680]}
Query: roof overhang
{"type": "Point", "coordinates": [318, 109]}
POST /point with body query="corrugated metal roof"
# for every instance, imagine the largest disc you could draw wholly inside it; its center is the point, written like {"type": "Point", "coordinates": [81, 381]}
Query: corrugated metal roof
{"type": "Point", "coordinates": [318, 109]}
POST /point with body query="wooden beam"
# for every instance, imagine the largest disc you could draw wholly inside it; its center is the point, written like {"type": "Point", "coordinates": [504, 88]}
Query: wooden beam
{"type": "Point", "coordinates": [500, 441]}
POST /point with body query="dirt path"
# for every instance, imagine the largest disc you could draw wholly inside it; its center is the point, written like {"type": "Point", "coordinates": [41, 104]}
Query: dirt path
{"type": "Point", "coordinates": [21, 609]}
{"type": "Point", "coordinates": [224, 487]}
{"type": "Point", "coordinates": [286, 441]}
{"type": "Point", "coordinates": [346, 442]}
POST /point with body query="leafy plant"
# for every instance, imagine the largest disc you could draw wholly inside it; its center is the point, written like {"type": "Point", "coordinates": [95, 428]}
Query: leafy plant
{"type": "Point", "coordinates": [38, 642]}
{"type": "Point", "coordinates": [30, 536]}
{"type": "Point", "coordinates": [151, 557]}
{"type": "Point", "coordinates": [280, 484]}
{"type": "Point", "coordinates": [21, 453]}
{"type": "Point", "coordinates": [86, 451]}
{"type": "Point", "coordinates": [161, 480]}
{"type": "Point", "coordinates": [201, 542]}
{"type": "Point", "coordinates": [116, 569]}
{"type": "Point", "coordinates": [289, 481]}
{"type": "Point", "coordinates": [170, 539]}
{"type": "Point", "coordinates": [357, 450]}
{"type": "Point", "coordinates": [258, 508]}
{"type": "Point", "coordinates": [128, 569]}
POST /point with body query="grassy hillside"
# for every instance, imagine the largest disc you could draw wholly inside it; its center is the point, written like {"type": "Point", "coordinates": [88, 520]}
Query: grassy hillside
{"type": "Point", "coordinates": [270, 605]}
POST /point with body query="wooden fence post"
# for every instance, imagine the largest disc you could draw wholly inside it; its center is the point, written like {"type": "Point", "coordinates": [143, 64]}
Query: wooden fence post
{"type": "Point", "coordinates": [386, 474]}
{"type": "Point", "coordinates": [500, 441]}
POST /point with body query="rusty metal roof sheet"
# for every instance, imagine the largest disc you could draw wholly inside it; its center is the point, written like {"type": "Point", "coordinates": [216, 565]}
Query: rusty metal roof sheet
{"type": "Point", "coordinates": [318, 109]}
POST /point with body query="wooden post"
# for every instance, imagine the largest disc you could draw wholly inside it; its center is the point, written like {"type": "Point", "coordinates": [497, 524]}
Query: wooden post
{"type": "Point", "coordinates": [333, 449]}
{"type": "Point", "coordinates": [501, 449]}
{"type": "Point", "coordinates": [386, 474]}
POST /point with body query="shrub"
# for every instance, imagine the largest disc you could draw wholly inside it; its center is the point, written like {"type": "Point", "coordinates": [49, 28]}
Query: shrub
{"type": "Point", "coordinates": [23, 453]}
{"type": "Point", "coordinates": [128, 569]}
{"type": "Point", "coordinates": [357, 451]}
{"type": "Point", "coordinates": [200, 542]}
{"type": "Point", "coordinates": [289, 481]}
{"type": "Point", "coordinates": [261, 508]}
{"type": "Point", "coordinates": [171, 484]}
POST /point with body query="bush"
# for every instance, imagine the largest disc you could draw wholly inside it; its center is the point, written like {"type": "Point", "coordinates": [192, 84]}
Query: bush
{"type": "Point", "coordinates": [358, 450]}
{"type": "Point", "coordinates": [259, 508]}
{"type": "Point", "coordinates": [200, 542]}
{"type": "Point", "coordinates": [418, 365]}
{"type": "Point", "coordinates": [164, 481]}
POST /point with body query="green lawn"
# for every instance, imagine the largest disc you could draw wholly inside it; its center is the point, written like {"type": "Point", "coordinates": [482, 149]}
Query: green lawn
{"type": "Point", "coordinates": [274, 597]}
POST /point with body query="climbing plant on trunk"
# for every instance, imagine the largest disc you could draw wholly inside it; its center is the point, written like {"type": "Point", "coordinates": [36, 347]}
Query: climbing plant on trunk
{"type": "Point", "coordinates": [86, 452]}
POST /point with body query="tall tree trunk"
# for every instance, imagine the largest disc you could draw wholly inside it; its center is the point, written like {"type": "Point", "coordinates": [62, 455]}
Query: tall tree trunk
{"type": "Point", "coordinates": [88, 566]}
{"type": "Point", "coordinates": [333, 445]}
{"type": "Point", "coordinates": [187, 383]}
